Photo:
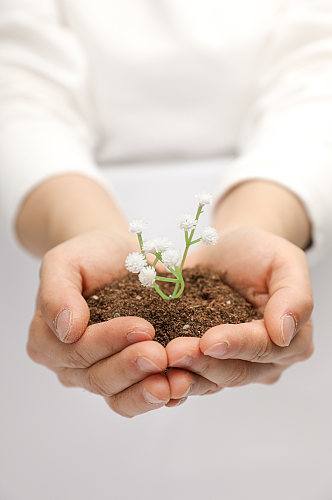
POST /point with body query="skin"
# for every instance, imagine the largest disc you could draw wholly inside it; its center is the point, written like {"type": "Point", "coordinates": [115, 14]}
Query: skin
{"type": "Point", "coordinates": [84, 240]}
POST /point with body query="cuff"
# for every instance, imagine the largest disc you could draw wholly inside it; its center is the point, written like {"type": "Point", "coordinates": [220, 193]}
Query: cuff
{"type": "Point", "coordinates": [30, 155]}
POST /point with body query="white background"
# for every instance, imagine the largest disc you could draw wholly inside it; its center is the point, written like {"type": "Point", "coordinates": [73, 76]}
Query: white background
{"type": "Point", "coordinates": [256, 442]}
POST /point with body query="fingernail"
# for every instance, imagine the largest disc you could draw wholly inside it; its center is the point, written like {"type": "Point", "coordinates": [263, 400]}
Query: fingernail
{"type": "Point", "coordinates": [188, 391]}
{"type": "Point", "coordinates": [288, 328]}
{"type": "Point", "coordinates": [146, 365]}
{"type": "Point", "coordinates": [133, 337]}
{"type": "Point", "coordinates": [184, 361]}
{"type": "Point", "coordinates": [63, 324]}
{"type": "Point", "coordinates": [152, 399]}
{"type": "Point", "coordinates": [217, 350]}
{"type": "Point", "coordinates": [181, 401]}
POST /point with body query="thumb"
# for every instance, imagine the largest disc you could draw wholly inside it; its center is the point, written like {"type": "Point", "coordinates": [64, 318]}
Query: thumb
{"type": "Point", "coordinates": [291, 303]}
{"type": "Point", "coordinates": [60, 297]}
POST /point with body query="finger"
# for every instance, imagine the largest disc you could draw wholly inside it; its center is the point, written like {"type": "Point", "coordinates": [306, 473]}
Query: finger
{"type": "Point", "coordinates": [183, 383]}
{"type": "Point", "coordinates": [185, 353]}
{"type": "Point", "coordinates": [251, 342]}
{"type": "Point", "coordinates": [175, 402]}
{"type": "Point", "coordinates": [60, 297]}
{"type": "Point", "coordinates": [115, 374]}
{"type": "Point", "coordinates": [99, 341]}
{"type": "Point", "coordinates": [150, 394]}
{"type": "Point", "coordinates": [290, 304]}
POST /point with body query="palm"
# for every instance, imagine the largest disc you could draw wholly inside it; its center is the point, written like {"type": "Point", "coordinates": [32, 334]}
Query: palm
{"type": "Point", "coordinates": [96, 258]}
{"type": "Point", "coordinates": [246, 259]}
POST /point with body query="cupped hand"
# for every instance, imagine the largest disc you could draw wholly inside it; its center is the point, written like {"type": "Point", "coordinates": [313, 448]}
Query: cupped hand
{"type": "Point", "coordinates": [272, 274]}
{"type": "Point", "coordinates": [117, 358]}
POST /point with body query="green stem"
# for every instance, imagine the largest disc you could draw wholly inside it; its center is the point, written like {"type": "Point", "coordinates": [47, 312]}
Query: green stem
{"type": "Point", "coordinates": [161, 293]}
{"type": "Point", "coordinates": [195, 241]}
{"type": "Point", "coordinates": [198, 213]}
{"type": "Point", "coordinates": [155, 262]}
{"type": "Point", "coordinates": [177, 295]}
{"type": "Point", "coordinates": [189, 239]}
{"type": "Point", "coordinates": [184, 257]}
{"type": "Point", "coordinates": [175, 290]}
{"type": "Point", "coordinates": [188, 243]}
{"type": "Point", "coordinates": [171, 280]}
{"type": "Point", "coordinates": [176, 273]}
{"type": "Point", "coordinates": [140, 241]}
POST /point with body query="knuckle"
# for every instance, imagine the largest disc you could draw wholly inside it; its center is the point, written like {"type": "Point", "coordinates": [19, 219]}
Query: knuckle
{"type": "Point", "coordinates": [308, 352]}
{"type": "Point", "coordinates": [47, 259]}
{"type": "Point", "coordinates": [33, 354]}
{"type": "Point", "coordinates": [272, 380]}
{"type": "Point", "coordinates": [77, 359]}
{"type": "Point", "coordinates": [300, 253]}
{"type": "Point", "coordinates": [308, 303]}
{"type": "Point", "coordinates": [238, 376]}
{"type": "Point", "coordinates": [42, 266]}
{"type": "Point", "coordinates": [64, 379]}
{"type": "Point", "coordinates": [44, 298]}
{"type": "Point", "coordinates": [310, 324]}
{"type": "Point", "coordinates": [32, 344]}
{"type": "Point", "coordinates": [129, 371]}
{"type": "Point", "coordinates": [205, 366]}
{"type": "Point", "coordinates": [216, 388]}
{"type": "Point", "coordinates": [113, 403]}
{"type": "Point", "coordinates": [48, 262]}
{"type": "Point", "coordinates": [304, 347]}
{"type": "Point", "coordinates": [263, 351]}
{"type": "Point", "coordinates": [96, 384]}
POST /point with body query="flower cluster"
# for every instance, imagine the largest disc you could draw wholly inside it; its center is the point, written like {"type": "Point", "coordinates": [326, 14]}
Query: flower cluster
{"type": "Point", "coordinates": [209, 236]}
{"type": "Point", "coordinates": [187, 222]}
{"type": "Point", "coordinates": [159, 244]}
{"type": "Point", "coordinates": [170, 257]}
{"type": "Point", "coordinates": [135, 262]}
{"type": "Point", "coordinates": [163, 250]}
{"type": "Point", "coordinates": [137, 226]}
{"type": "Point", "coordinates": [147, 276]}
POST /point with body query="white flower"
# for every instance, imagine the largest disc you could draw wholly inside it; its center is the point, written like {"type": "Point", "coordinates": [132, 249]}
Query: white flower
{"type": "Point", "coordinates": [159, 244]}
{"type": "Point", "coordinates": [162, 243]}
{"type": "Point", "coordinates": [149, 246]}
{"type": "Point", "coordinates": [209, 236]}
{"type": "Point", "coordinates": [170, 257]}
{"type": "Point", "coordinates": [135, 262]}
{"type": "Point", "coordinates": [147, 276]}
{"type": "Point", "coordinates": [204, 198]}
{"type": "Point", "coordinates": [137, 226]}
{"type": "Point", "coordinates": [187, 222]}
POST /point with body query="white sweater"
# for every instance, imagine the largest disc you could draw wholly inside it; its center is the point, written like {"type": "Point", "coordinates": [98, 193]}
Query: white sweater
{"type": "Point", "coordinates": [86, 83]}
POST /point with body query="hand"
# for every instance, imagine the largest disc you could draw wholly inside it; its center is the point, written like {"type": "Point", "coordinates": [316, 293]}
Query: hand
{"type": "Point", "coordinates": [117, 358]}
{"type": "Point", "coordinates": [272, 274]}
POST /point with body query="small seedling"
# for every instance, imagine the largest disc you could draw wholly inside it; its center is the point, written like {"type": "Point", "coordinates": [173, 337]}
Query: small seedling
{"type": "Point", "coordinates": [163, 250]}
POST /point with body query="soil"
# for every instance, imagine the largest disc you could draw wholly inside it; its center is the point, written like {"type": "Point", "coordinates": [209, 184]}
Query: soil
{"type": "Point", "coordinates": [206, 302]}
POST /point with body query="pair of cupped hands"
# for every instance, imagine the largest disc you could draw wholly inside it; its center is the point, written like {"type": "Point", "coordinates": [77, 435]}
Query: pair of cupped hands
{"type": "Point", "coordinates": [119, 360]}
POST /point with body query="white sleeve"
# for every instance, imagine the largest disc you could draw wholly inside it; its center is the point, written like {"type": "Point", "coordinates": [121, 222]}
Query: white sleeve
{"type": "Point", "coordinates": [287, 137]}
{"type": "Point", "coordinates": [42, 78]}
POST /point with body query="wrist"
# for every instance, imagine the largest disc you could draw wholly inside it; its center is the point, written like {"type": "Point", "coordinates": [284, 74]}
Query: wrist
{"type": "Point", "coordinates": [265, 205]}
{"type": "Point", "coordinates": [64, 207]}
